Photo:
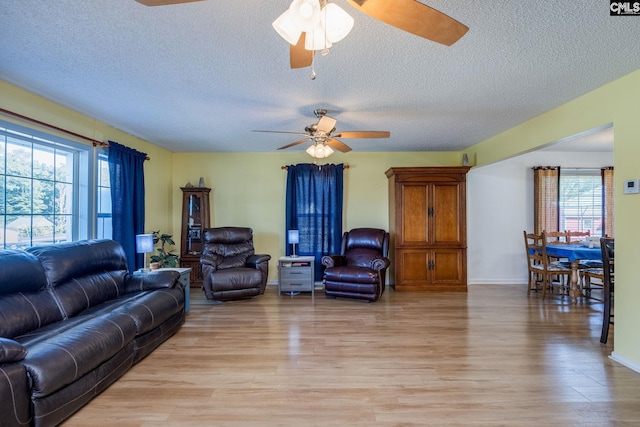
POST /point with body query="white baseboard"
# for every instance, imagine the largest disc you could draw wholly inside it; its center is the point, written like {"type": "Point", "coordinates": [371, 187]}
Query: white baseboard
{"type": "Point", "coordinates": [625, 361]}
{"type": "Point", "coordinates": [497, 282]}
{"type": "Point", "coordinates": [471, 282]}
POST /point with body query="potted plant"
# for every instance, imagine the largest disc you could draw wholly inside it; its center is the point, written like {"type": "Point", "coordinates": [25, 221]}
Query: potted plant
{"type": "Point", "coordinates": [164, 257]}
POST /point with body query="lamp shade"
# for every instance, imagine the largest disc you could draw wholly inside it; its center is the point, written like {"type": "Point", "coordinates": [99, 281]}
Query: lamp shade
{"type": "Point", "coordinates": [336, 22]}
{"type": "Point", "coordinates": [293, 236]}
{"type": "Point", "coordinates": [316, 39]}
{"type": "Point", "coordinates": [144, 243]}
{"type": "Point", "coordinates": [287, 29]}
{"type": "Point", "coordinates": [319, 151]}
{"type": "Point", "coordinates": [305, 13]}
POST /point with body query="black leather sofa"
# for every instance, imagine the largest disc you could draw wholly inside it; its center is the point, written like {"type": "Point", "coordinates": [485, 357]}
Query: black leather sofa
{"type": "Point", "coordinates": [72, 321]}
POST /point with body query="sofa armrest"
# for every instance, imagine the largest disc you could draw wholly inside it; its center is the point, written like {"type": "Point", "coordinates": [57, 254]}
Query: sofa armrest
{"type": "Point", "coordinates": [149, 281]}
{"type": "Point", "coordinates": [254, 260]}
{"type": "Point", "coordinates": [380, 264]}
{"type": "Point", "coordinates": [11, 351]}
{"type": "Point", "coordinates": [332, 261]}
{"type": "Point", "coordinates": [15, 396]}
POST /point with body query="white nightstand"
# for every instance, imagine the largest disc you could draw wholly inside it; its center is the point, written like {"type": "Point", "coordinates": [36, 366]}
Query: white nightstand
{"type": "Point", "coordinates": [185, 274]}
{"type": "Point", "coordinates": [296, 274]}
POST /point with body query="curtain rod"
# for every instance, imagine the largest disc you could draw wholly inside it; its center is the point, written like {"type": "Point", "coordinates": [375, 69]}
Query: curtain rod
{"type": "Point", "coordinates": [572, 168]}
{"type": "Point", "coordinates": [287, 167]}
{"type": "Point", "coordinates": [50, 126]}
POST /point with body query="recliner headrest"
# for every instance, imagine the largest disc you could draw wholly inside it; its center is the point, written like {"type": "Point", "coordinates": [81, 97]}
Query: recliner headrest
{"type": "Point", "coordinates": [226, 235]}
{"type": "Point", "coordinates": [372, 238]}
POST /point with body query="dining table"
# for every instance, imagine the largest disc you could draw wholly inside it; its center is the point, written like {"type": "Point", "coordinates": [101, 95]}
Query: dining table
{"type": "Point", "coordinates": [574, 253]}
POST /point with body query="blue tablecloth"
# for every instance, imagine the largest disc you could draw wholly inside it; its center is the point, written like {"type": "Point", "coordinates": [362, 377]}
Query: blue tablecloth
{"type": "Point", "coordinates": [574, 252]}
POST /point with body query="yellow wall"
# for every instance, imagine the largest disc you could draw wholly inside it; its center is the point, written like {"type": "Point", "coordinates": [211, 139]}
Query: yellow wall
{"type": "Point", "coordinates": [617, 103]}
{"type": "Point", "coordinates": [248, 189]}
{"type": "Point", "coordinates": [158, 180]}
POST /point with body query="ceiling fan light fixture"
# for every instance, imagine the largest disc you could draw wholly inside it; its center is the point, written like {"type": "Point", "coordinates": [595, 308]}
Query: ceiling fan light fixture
{"type": "Point", "coordinates": [319, 151]}
{"type": "Point", "coordinates": [287, 28]}
{"type": "Point", "coordinates": [305, 14]}
{"type": "Point", "coordinates": [317, 39]}
{"type": "Point", "coordinates": [322, 26]}
{"type": "Point", "coordinates": [336, 22]}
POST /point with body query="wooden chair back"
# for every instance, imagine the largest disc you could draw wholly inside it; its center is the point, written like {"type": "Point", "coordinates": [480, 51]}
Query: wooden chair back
{"type": "Point", "coordinates": [554, 237]}
{"type": "Point", "coordinates": [577, 236]}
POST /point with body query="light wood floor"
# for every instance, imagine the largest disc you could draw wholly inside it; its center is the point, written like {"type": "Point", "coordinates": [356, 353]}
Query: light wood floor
{"type": "Point", "coordinates": [491, 357]}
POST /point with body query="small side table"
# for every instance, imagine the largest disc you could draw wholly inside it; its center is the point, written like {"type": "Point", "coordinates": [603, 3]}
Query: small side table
{"type": "Point", "coordinates": [296, 274]}
{"type": "Point", "coordinates": [185, 278]}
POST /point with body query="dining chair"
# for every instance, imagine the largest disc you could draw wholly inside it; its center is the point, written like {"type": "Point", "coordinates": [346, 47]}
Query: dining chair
{"type": "Point", "coordinates": [543, 273]}
{"type": "Point", "coordinates": [577, 236]}
{"type": "Point", "coordinates": [557, 237]}
{"type": "Point", "coordinates": [592, 279]}
{"type": "Point", "coordinates": [608, 258]}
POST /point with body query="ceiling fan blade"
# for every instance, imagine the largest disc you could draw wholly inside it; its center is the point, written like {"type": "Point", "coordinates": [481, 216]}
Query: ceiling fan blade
{"type": "Point", "coordinates": [326, 124]}
{"type": "Point", "coordinates": [163, 2]}
{"type": "Point", "coordinates": [293, 144]}
{"type": "Point", "coordinates": [415, 18]}
{"type": "Point", "coordinates": [281, 131]}
{"type": "Point", "coordinates": [364, 134]}
{"type": "Point", "coordinates": [299, 57]}
{"type": "Point", "coordinates": [338, 145]}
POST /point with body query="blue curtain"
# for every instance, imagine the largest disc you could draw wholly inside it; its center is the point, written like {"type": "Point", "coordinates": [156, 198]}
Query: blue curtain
{"type": "Point", "coordinates": [314, 207]}
{"type": "Point", "coordinates": [126, 173]}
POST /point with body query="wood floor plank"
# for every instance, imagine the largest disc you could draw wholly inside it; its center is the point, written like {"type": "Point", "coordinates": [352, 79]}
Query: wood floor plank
{"type": "Point", "coordinates": [489, 357]}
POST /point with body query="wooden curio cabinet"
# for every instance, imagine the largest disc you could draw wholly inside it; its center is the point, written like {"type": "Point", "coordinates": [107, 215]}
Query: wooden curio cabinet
{"type": "Point", "coordinates": [428, 227]}
{"type": "Point", "coordinates": [195, 219]}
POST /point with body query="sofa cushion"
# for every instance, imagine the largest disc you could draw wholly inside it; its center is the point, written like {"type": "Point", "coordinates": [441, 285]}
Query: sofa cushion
{"type": "Point", "coordinates": [83, 274]}
{"type": "Point", "coordinates": [61, 356]}
{"type": "Point", "coordinates": [351, 274]}
{"type": "Point", "coordinates": [25, 304]}
{"type": "Point", "coordinates": [21, 272]}
{"type": "Point", "coordinates": [236, 278]}
{"type": "Point", "coordinates": [150, 309]}
{"type": "Point", "coordinates": [233, 244]}
{"type": "Point", "coordinates": [82, 293]}
{"type": "Point", "coordinates": [361, 257]}
{"type": "Point", "coordinates": [67, 261]}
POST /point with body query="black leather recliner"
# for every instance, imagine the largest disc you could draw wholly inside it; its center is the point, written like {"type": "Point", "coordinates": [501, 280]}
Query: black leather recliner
{"type": "Point", "coordinates": [359, 270]}
{"type": "Point", "coordinates": [230, 268]}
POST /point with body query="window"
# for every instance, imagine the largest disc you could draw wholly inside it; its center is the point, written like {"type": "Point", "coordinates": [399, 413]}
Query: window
{"type": "Point", "coordinates": [45, 188]}
{"type": "Point", "coordinates": [314, 207]}
{"type": "Point", "coordinates": [580, 200]}
{"type": "Point", "coordinates": [103, 229]}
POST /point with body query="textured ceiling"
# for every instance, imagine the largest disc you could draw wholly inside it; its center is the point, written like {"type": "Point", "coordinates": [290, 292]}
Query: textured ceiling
{"type": "Point", "coordinates": [201, 76]}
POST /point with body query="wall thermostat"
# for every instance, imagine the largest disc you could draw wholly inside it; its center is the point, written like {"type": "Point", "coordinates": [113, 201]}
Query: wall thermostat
{"type": "Point", "coordinates": [631, 186]}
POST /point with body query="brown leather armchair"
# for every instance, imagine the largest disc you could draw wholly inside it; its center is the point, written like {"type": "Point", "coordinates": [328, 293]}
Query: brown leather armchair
{"type": "Point", "coordinates": [230, 268]}
{"type": "Point", "coordinates": [360, 269]}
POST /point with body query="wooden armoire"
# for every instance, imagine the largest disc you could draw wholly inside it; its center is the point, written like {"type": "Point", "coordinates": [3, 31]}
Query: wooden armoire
{"type": "Point", "coordinates": [428, 227]}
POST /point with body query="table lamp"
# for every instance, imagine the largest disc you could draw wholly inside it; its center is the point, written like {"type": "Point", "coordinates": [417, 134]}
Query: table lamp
{"type": "Point", "coordinates": [293, 236]}
{"type": "Point", "coordinates": [144, 244]}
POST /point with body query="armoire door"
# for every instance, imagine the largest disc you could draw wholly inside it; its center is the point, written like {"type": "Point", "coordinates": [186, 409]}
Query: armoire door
{"type": "Point", "coordinates": [447, 203]}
